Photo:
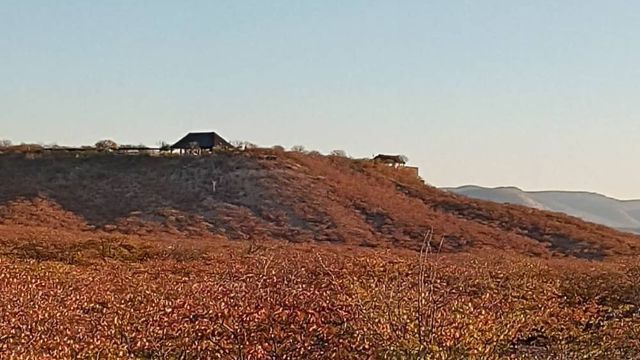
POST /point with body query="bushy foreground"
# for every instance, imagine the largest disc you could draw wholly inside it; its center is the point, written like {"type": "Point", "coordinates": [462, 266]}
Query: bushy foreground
{"type": "Point", "coordinates": [276, 300]}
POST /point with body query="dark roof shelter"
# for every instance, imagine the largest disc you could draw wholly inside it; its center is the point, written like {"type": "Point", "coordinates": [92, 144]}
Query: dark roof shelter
{"type": "Point", "coordinates": [390, 159]}
{"type": "Point", "coordinates": [204, 140]}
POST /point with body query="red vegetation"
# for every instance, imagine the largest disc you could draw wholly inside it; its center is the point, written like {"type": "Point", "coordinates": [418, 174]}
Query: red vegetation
{"type": "Point", "coordinates": [269, 194]}
{"type": "Point", "coordinates": [125, 297]}
{"type": "Point", "coordinates": [113, 256]}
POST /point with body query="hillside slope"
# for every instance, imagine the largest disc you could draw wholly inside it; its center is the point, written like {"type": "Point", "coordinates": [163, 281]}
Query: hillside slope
{"type": "Point", "coordinates": [263, 194]}
{"type": "Point", "coordinates": [593, 207]}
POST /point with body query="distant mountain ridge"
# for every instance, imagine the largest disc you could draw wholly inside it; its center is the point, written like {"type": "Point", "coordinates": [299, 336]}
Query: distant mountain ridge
{"type": "Point", "coordinates": [597, 208]}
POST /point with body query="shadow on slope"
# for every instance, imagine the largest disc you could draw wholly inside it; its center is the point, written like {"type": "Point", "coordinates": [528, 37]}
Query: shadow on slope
{"type": "Point", "coordinates": [293, 196]}
{"type": "Point", "coordinates": [107, 189]}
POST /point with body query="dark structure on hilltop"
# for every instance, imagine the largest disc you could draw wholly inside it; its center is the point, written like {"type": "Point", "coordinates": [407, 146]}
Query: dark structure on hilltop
{"type": "Point", "coordinates": [394, 160]}
{"type": "Point", "coordinates": [397, 161]}
{"type": "Point", "coordinates": [198, 141]}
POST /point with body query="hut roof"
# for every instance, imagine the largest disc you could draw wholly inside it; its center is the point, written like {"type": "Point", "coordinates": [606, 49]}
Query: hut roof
{"type": "Point", "coordinates": [205, 140]}
{"type": "Point", "coordinates": [398, 159]}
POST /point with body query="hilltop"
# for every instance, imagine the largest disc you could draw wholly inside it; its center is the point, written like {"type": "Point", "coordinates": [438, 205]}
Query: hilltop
{"type": "Point", "coordinates": [276, 195]}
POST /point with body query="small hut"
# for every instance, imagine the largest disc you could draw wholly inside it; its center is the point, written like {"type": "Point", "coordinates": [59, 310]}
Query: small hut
{"type": "Point", "coordinates": [392, 160]}
{"type": "Point", "coordinates": [196, 142]}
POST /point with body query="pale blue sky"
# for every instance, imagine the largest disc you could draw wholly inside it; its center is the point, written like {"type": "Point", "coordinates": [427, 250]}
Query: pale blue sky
{"type": "Point", "coordinates": [536, 94]}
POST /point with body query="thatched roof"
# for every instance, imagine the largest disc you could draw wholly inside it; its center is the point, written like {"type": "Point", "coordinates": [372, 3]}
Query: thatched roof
{"type": "Point", "coordinates": [205, 140]}
{"type": "Point", "coordinates": [393, 159]}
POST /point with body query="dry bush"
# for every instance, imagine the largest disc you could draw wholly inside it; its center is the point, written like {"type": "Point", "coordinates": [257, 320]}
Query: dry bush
{"type": "Point", "coordinates": [24, 148]}
{"type": "Point", "coordinates": [270, 300]}
{"type": "Point", "coordinates": [243, 145]}
{"type": "Point", "coordinates": [106, 145]}
{"type": "Point", "coordinates": [339, 153]}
